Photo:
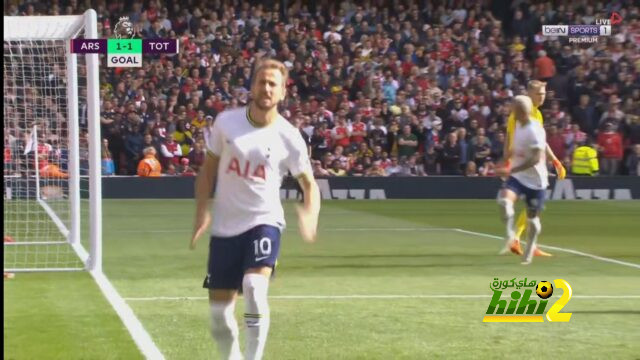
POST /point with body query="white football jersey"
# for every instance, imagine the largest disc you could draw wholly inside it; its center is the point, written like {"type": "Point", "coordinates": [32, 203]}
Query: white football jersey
{"type": "Point", "coordinates": [253, 162]}
{"type": "Point", "coordinates": [525, 139]}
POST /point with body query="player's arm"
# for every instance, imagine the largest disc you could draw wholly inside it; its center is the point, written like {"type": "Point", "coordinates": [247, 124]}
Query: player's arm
{"type": "Point", "coordinates": [308, 213]}
{"type": "Point", "coordinates": [536, 155]}
{"type": "Point", "coordinates": [506, 151]}
{"type": "Point", "coordinates": [205, 182]}
{"type": "Point", "coordinates": [557, 164]}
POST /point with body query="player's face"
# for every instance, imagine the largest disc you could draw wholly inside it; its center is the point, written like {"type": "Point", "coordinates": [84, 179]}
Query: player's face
{"type": "Point", "coordinates": [537, 96]}
{"type": "Point", "coordinates": [268, 89]}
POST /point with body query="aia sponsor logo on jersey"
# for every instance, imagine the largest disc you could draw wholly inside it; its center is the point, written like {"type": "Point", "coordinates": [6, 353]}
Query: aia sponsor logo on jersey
{"type": "Point", "coordinates": [247, 170]}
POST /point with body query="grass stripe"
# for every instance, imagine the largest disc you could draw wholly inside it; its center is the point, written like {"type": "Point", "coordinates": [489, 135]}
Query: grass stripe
{"type": "Point", "coordinates": [565, 250]}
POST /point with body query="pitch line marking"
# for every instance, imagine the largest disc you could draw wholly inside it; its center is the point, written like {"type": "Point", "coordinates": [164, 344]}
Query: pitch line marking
{"type": "Point", "coordinates": [570, 251]}
{"type": "Point", "coordinates": [139, 334]}
{"type": "Point", "coordinates": [347, 297]}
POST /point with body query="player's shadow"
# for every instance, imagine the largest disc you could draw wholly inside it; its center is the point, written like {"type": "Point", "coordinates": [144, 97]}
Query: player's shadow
{"type": "Point", "coordinates": [607, 312]}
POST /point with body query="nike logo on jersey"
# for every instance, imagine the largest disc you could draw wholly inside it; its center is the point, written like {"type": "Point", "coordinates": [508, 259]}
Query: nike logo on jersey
{"type": "Point", "coordinates": [262, 258]}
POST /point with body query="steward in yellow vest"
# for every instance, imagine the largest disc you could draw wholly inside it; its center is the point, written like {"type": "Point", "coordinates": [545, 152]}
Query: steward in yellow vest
{"type": "Point", "coordinates": [585, 161]}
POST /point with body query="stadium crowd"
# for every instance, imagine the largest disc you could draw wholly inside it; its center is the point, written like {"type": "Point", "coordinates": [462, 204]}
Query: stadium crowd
{"type": "Point", "coordinates": [377, 88]}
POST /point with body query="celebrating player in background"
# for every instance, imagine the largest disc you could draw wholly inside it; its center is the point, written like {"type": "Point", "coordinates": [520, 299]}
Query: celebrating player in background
{"type": "Point", "coordinates": [527, 177]}
{"type": "Point", "coordinates": [537, 92]}
{"type": "Point", "coordinates": [250, 149]}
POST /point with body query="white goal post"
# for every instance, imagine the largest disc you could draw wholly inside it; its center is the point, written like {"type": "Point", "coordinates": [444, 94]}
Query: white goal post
{"type": "Point", "coordinates": [52, 174]}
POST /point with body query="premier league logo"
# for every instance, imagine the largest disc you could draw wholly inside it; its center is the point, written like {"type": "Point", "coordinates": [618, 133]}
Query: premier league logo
{"type": "Point", "coordinates": [123, 29]}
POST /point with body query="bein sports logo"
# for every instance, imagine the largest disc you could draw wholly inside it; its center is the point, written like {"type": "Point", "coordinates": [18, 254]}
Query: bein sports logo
{"type": "Point", "coordinates": [522, 307]}
{"type": "Point", "coordinates": [584, 33]}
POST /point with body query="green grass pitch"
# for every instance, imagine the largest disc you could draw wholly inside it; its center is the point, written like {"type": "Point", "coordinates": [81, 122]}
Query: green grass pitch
{"type": "Point", "coordinates": [387, 249]}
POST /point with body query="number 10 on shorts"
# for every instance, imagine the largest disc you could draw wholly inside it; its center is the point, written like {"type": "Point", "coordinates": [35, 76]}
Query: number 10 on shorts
{"type": "Point", "coordinates": [262, 248]}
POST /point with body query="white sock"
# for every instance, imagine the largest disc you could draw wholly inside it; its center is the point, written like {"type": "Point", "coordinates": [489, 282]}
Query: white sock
{"type": "Point", "coordinates": [535, 227]}
{"type": "Point", "coordinates": [224, 329]}
{"type": "Point", "coordinates": [506, 206]}
{"type": "Point", "coordinates": [256, 317]}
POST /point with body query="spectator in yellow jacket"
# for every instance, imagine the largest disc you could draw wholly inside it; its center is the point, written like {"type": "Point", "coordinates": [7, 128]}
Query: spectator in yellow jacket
{"type": "Point", "coordinates": [585, 161]}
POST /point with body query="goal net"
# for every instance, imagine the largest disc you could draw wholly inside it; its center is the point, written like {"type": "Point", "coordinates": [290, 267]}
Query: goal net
{"type": "Point", "coordinates": [51, 146]}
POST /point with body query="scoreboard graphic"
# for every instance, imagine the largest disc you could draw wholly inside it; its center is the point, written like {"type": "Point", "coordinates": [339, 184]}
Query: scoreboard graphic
{"type": "Point", "coordinates": [124, 52]}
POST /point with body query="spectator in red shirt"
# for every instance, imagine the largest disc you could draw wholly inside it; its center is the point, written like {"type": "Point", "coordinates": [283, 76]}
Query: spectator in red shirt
{"type": "Point", "coordinates": [196, 156]}
{"type": "Point", "coordinates": [8, 164]}
{"type": "Point", "coordinates": [327, 133]}
{"type": "Point", "coordinates": [186, 169]}
{"type": "Point", "coordinates": [366, 110]}
{"type": "Point", "coordinates": [545, 68]}
{"type": "Point", "coordinates": [446, 46]}
{"type": "Point", "coordinates": [556, 142]}
{"type": "Point", "coordinates": [358, 130]}
{"type": "Point", "coordinates": [610, 148]}
{"type": "Point", "coordinates": [171, 152]}
{"type": "Point", "coordinates": [341, 133]}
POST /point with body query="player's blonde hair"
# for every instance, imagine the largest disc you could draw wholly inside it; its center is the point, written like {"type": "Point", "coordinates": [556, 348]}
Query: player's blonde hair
{"type": "Point", "coordinates": [536, 84]}
{"type": "Point", "coordinates": [523, 103]}
{"type": "Point", "coordinates": [272, 64]}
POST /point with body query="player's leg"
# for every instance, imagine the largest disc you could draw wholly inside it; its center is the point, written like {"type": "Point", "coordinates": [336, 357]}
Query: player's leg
{"type": "Point", "coordinates": [521, 226]}
{"type": "Point", "coordinates": [255, 287]}
{"type": "Point", "coordinates": [224, 326]}
{"type": "Point", "coordinates": [535, 203]}
{"type": "Point", "coordinates": [263, 247]}
{"type": "Point", "coordinates": [507, 197]}
{"type": "Point", "coordinates": [223, 280]}
{"type": "Point", "coordinates": [538, 252]}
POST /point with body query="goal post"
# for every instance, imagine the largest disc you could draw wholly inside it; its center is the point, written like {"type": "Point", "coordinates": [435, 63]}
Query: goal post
{"type": "Point", "coordinates": [52, 174]}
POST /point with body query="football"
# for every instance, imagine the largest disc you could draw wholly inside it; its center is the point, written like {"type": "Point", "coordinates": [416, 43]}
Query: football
{"type": "Point", "coordinates": [544, 289]}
